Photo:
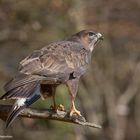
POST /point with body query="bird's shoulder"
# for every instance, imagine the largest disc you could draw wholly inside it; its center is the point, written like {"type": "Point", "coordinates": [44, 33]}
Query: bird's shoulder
{"type": "Point", "coordinates": [63, 46]}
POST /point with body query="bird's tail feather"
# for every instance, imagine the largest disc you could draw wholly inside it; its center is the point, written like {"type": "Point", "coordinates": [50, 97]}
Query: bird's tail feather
{"type": "Point", "coordinates": [22, 102]}
{"type": "Point", "coordinates": [13, 114]}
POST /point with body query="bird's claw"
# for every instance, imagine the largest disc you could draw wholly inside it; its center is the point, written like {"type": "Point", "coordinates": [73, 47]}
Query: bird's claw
{"type": "Point", "coordinates": [75, 112]}
{"type": "Point", "coordinates": [59, 107]}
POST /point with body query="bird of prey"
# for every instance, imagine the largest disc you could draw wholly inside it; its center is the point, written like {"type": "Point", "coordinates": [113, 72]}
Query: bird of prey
{"type": "Point", "coordinates": [62, 62]}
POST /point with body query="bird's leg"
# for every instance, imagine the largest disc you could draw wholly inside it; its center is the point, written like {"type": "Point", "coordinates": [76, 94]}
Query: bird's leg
{"type": "Point", "coordinates": [73, 109]}
{"type": "Point", "coordinates": [73, 87]}
{"type": "Point", "coordinates": [54, 106]}
{"type": "Point", "coordinates": [54, 103]}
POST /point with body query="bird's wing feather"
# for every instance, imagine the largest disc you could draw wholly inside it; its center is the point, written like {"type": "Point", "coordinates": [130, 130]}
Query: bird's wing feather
{"type": "Point", "coordinates": [53, 63]}
{"type": "Point", "coordinates": [20, 80]}
{"type": "Point", "coordinates": [58, 58]}
{"type": "Point", "coordinates": [23, 91]}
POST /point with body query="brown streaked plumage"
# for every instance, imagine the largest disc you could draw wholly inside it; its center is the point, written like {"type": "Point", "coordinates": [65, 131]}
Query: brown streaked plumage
{"type": "Point", "coordinates": [41, 72]}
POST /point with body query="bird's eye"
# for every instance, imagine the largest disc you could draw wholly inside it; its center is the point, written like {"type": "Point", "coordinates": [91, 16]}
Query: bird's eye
{"type": "Point", "coordinates": [91, 34]}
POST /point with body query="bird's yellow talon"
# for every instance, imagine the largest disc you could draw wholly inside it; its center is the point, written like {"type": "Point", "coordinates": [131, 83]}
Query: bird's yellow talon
{"type": "Point", "coordinates": [59, 107]}
{"type": "Point", "coordinates": [75, 112]}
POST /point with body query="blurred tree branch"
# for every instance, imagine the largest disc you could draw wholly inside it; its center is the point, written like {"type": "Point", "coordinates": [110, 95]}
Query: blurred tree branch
{"type": "Point", "coordinates": [48, 114]}
{"type": "Point", "coordinates": [122, 107]}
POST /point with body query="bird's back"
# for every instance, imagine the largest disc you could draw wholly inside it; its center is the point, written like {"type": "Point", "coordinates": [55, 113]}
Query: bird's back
{"type": "Point", "coordinates": [57, 58]}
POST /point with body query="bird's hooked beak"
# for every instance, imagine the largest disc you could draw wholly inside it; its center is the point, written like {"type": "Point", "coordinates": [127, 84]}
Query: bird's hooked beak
{"type": "Point", "coordinates": [95, 40]}
{"type": "Point", "coordinates": [99, 36]}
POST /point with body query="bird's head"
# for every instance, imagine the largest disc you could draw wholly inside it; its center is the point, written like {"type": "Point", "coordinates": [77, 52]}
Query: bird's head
{"type": "Point", "coordinates": [88, 38]}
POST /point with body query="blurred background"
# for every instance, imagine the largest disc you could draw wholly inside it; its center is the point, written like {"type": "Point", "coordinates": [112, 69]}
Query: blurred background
{"type": "Point", "coordinates": [108, 92]}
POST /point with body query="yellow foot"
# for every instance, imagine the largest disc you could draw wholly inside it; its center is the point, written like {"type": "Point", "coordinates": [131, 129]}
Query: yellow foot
{"type": "Point", "coordinates": [75, 112]}
{"type": "Point", "coordinates": [59, 107]}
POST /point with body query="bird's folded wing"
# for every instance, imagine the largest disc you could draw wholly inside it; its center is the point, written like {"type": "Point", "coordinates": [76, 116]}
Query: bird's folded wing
{"type": "Point", "coordinates": [23, 91]}
{"type": "Point", "coordinates": [61, 57]}
{"type": "Point", "coordinates": [53, 63]}
{"type": "Point", "coordinates": [21, 80]}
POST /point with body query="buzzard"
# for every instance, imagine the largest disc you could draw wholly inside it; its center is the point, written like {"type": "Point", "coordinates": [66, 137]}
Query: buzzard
{"type": "Point", "coordinates": [62, 62]}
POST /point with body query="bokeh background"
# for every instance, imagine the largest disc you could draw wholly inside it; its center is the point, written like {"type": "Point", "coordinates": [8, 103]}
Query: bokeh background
{"type": "Point", "coordinates": [108, 92]}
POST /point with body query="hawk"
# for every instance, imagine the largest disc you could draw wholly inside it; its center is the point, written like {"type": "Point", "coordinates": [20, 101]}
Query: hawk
{"type": "Point", "coordinates": [62, 62]}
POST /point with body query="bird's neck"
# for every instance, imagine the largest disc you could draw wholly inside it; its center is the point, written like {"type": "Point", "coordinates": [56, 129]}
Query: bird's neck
{"type": "Point", "coordinates": [78, 40]}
